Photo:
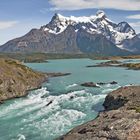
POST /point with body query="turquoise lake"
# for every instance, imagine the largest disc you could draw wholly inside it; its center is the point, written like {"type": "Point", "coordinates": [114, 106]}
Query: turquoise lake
{"type": "Point", "coordinates": [61, 103]}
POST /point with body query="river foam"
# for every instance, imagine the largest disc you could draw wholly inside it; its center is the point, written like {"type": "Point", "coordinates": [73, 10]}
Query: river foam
{"type": "Point", "coordinates": [63, 111]}
{"type": "Point", "coordinates": [52, 115]}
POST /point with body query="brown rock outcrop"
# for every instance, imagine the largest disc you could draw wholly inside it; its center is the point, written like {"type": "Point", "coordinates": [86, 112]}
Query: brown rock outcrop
{"type": "Point", "coordinates": [119, 121]}
{"type": "Point", "coordinates": [16, 79]}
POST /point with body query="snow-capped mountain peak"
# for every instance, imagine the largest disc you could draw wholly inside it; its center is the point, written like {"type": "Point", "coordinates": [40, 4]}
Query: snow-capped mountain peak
{"type": "Point", "coordinates": [59, 23]}
{"type": "Point", "coordinates": [100, 14]}
{"type": "Point", "coordinates": [71, 18]}
{"type": "Point", "coordinates": [94, 24]}
{"type": "Point", "coordinates": [59, 16]}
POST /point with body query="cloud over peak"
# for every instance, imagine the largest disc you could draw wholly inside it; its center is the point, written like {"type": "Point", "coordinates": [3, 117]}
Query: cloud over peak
{"type": "Point", "coordinates": [88, 4]}
{"type": "Point", "coordinates": [133, 16]}
{"type": "Point", "coordinates": [7, 24]}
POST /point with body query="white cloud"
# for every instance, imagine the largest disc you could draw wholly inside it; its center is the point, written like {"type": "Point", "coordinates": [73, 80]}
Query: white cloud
{"type": "Point", "coordinates": [135, 24]}
{"type": "Point", "coordinates": [99, 4]}
{"type": "Point", "coordinates": [7, 24]}
{"type": "Point", "coordinates": [134, 16]}
{"type": "Point", "coordinates": [44, 10]}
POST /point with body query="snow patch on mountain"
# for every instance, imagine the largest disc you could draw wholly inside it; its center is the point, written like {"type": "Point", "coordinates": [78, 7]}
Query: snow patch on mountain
{"type": "Point", "coordinates": [100, 14]}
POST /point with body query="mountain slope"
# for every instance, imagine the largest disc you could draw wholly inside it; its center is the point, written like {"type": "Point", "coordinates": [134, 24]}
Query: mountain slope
{"type": "Point", "coordinates": [97, 44]}
{"type": "Point", "coordinates": [95, 34]}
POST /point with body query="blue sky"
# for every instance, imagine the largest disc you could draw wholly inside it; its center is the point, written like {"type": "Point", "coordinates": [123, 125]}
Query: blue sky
{"type": "Point", "coordinates": [17, 17]}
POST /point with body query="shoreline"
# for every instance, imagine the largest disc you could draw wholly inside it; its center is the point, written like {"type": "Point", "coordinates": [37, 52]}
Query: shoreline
{"type": "Point", "coordinates": [50, 75]}
{"type": "Point", "coordinates": [43, 57]}
{"type": "Point", "coordinates": [25, 93]}
{"type": "Point", "coordinates": [114, 63]}
{"type": "Point", "coordinates": [20, 79]}
{"type": "Point", "coordinates": [119, 121]}
{"type": "Point", "coordinates": [17, 79]}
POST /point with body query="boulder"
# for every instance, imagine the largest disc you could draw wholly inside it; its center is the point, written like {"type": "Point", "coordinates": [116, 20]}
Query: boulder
{"type": "Point", "coordinates": [89, 84]}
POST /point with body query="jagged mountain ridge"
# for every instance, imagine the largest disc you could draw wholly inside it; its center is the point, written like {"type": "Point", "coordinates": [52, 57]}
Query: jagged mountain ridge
{"type": "Point", "coordinates": [98, 24]}
{"type": "Point", "coordinates": [94, 34]}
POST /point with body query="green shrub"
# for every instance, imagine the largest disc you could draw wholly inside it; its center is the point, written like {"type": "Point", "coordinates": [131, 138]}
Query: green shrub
{"type": "Point", "coordinates": [1, 81]}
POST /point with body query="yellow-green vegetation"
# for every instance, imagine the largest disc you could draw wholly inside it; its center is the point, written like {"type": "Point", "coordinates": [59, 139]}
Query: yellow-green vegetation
{"type": "Point", "coordinates": [136, 108]}
{"type": "Point", "coordinates": [42, 57]}
{"type": "Point", "coordinates": [16, 79]}
{"type": "Point", "coordinates": [134, 66]}
{"type": "Point", "coordinates": [31, 57]}
{"type": "Point", "coordinates": [117, 57]}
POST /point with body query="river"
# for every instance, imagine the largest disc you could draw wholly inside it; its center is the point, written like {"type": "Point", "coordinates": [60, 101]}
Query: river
{"type": "Point", "coordinates": [61, 103]}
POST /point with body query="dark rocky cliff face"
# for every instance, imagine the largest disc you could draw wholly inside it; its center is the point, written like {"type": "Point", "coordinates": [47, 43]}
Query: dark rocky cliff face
{"type": "Point", "coordinates": [97, 44]}
{"type": "Point", "coordinates": [119, 121]}
{"type": "Point", "coordinates": [133, 45]}
{"type": "Point", "coordinates": [68, 41]}
{"type": "Point", "coordinates": [124, 27]}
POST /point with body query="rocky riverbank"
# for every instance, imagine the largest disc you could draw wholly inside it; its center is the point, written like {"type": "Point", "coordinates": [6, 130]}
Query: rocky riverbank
{"type": "Point", "coordinates": [115, 63]}
{"type": "Point", "coordinates": [92, 84]}
{"type": "Point", "coordinates": [131, 66]}
{"type": "Point", "coordinates": [58, 74]}
{"type": "Point", "coordinates": [119, 121]}
{"type": "Point", "coordinates": [16, 79]}
{"type": "Point", "coordinates": [106, 64]}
